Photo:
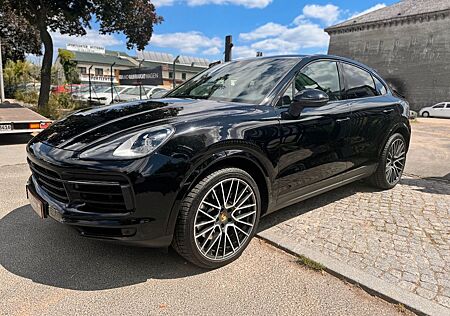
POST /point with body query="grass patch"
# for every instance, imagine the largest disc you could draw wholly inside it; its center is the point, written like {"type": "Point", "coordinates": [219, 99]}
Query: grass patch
{"type": "Point", "coordinates": [309, 263]}
{"type": "Point", "coordinates": [401, 309]}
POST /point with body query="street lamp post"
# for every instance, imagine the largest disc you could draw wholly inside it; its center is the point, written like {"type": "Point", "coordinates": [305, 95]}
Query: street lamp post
{"type": "Point", "coordinates": [140, 81]}
{"type": "Point", "coordinates": [90, 85]}
{"type": "Point", "coordinates": [2, 88]}
{"type": "Point", "coordinates": [112, 82]}
{"type": "Point", "coordinates": [174, 84]}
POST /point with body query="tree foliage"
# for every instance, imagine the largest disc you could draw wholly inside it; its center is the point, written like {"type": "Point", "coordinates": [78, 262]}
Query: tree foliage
{"type": "Point", "coordinates": [135, 18]}
{"type": "Point", "coordinates": [69, 65]}
{"type": "Point", "coordinates": [18, 36]}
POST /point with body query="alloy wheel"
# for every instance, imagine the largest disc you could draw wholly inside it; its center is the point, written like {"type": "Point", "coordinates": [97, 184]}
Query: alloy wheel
{"type": "Point", "coordinates": [395, 161]}
{"type": "Point", "coordinates": [225, 219]}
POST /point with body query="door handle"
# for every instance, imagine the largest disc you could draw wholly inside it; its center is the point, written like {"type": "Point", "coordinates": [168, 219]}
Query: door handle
{"type": "Point", "coordinates": [342, 120]}
{"type": "Point", "coordinates": [388, 111]}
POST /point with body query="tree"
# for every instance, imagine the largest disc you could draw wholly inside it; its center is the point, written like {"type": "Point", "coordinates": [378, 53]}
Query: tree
{"type": "Point", "coordinates": [135, 18]}
{"type": "Point", "coordinates": [69, 65]}
{"type": "Point", "coordinates": [16, 72]}
{"type": "Point", "coordinates": [17, 35]}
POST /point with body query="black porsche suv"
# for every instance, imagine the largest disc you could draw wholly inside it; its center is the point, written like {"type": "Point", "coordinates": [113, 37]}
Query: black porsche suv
{"type": "Point", "coordinates": [197, 168]}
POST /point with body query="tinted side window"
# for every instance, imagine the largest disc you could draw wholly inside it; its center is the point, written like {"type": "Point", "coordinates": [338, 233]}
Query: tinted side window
{"type": "Point", "coordinates": [359, 83]}
{"type": "Point", "coordinates": [381, 89]}
{"type": "Point", "coordinates": [322, 75]}
{"type": "Point", "coordinates": [439, 106]}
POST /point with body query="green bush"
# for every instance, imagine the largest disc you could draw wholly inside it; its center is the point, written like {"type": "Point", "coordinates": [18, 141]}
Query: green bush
{"type": "Point", "coordinates": [28, 97]}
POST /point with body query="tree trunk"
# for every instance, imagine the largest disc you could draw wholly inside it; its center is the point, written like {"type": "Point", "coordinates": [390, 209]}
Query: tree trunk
{"type": "Point", "coordinates": [46, 70]}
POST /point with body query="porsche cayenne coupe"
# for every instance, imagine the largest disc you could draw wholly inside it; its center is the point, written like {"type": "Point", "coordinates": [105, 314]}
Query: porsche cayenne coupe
{"type": "Point", "coordinates": [198, 168]}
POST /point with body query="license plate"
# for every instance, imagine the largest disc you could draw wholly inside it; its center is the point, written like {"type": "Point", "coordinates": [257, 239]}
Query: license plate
{"type": "Point", "coordinates": [5, 127]}
{"type": "Point", "coordinates": [36, 204]}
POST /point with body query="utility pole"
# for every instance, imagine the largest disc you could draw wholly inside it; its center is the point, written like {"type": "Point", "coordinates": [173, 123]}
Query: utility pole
{"type": "Point", "coordinates": [2, 88]}
{"type": "Point", "coordinates": [228, 47]}
{"type": "Point", "coordinates": [174, 83]}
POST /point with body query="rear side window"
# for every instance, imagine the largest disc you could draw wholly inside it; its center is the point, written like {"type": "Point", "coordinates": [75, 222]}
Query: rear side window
{"type": "Point", "coordinates": [359, 83]}
{"type": "Point", "coordinates": [381, 89]}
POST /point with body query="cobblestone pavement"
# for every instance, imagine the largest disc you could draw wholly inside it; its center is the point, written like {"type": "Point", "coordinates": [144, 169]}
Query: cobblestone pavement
{"type": "Point", "coordinates": [401, 236]}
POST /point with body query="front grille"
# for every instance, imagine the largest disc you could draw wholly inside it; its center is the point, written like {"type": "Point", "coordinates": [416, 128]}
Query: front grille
{"type": "Point", "coordinates": [94, 193]}
{"type": "Point", "coordinates": [50, 181]}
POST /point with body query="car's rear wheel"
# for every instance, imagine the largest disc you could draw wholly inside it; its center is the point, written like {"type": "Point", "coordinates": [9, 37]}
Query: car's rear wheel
{"type": "Point", "coordinates": [391, 164]}
{"type": "Point", "coordinates": [425, 114]}
{"type": "Point", "coordinates": [218, 218]}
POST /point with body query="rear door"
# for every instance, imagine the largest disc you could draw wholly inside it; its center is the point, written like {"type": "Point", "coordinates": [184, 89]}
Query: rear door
{"type": "Point", "coordinates": [373, 113]}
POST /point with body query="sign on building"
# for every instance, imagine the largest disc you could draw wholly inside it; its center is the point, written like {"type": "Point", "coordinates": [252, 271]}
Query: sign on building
{"type": "Point", "coordinates": [141, 76]}
{"type": "Point", "coordinates": [86, 48]}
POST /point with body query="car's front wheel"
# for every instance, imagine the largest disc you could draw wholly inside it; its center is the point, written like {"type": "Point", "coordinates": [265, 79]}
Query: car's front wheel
{"type": "Point", "coordinates": [218, 218]}
{"type": "Point", "coordinates": [391, 163]}
{"type": "Point", "coordinates": [425, 114]}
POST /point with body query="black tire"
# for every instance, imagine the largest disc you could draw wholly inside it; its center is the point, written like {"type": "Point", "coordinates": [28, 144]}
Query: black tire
{"type": "Point", "coordinates": [380, 178]}
{"type": "Point", "coordinates": [185, 242]}
{"type": "Point", "coordinates": [425, 114]}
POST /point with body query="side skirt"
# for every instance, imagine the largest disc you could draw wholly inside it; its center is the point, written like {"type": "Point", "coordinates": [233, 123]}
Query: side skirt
{"type": "Point", "coordinates": [324, 186]}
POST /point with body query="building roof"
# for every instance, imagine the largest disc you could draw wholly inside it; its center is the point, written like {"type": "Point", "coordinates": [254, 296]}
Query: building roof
{"type": "Point", "coordinates": [110, 57]}
{"type": "Point", "coordinates": [169, 58]}
{"type": "Point", "coordinates": [400, 10]}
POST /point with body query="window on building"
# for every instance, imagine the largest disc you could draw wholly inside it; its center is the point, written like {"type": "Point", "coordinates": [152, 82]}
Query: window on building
{"type": "Point", "coordinates": [183, 76]}
{"type": "Point", "coordinates": [99, 71]}
{"type": "Point", "coordinates": [359, 83]}
{"type": "Point", "coordinates": [381, 89]}
{"type": "Point", "coordinates": [170, 75]}
{"type": "Point", "coordinates": [82, 70]}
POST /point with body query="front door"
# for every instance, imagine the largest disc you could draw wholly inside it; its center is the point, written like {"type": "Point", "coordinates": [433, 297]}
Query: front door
{"type": "Point", "coordinates": [314, 146]}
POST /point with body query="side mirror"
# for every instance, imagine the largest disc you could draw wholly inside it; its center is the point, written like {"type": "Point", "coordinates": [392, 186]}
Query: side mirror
{"type": "Point", "coordinates": [307, 98]}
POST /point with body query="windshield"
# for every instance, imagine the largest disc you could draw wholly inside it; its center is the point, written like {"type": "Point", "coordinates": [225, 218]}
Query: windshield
{"type": "Point", "coordinates": [246, 81]}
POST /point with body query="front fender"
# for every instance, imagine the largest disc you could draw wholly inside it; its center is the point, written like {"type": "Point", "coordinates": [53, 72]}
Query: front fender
{"type": "Point", "coordinates": [230, 153]}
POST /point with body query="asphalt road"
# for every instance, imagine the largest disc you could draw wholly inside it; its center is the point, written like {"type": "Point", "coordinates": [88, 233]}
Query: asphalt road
{"type": "Point", "coordinates": [47, 269]}
{"type": "Point", "coordinates": [428, 155]}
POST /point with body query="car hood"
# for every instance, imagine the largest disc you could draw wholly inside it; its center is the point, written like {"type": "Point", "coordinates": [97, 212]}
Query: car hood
{"type": "Point", "coordinates": [89, 126]}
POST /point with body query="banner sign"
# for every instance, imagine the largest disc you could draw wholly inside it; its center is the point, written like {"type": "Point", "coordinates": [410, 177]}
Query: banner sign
{"type": "Point", "coordinates": [141, 76]}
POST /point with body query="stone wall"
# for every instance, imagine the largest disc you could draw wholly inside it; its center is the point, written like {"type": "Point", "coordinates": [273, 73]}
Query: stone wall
{"type": "Point", "coordinates": [414, 57]}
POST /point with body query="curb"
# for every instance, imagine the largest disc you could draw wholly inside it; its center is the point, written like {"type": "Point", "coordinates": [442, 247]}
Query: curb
{"type": "Point", "coordinates": [369, 283]}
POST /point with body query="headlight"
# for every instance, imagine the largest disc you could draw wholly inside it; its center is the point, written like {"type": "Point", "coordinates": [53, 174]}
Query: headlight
{"type": "Point", "coordinates": [137, 145]}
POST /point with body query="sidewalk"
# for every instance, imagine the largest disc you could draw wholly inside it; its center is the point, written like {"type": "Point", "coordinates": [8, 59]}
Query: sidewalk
{"type": "Point", "coordinates": [400, 236]}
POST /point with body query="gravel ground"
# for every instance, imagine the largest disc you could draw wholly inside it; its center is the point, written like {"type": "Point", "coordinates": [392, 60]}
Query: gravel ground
{"type": "Point", "coordinates": [47, 269]}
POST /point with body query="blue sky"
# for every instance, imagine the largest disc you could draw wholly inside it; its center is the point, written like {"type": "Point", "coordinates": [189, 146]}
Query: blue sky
{"type": "Point", "coordinates": [197, 27]}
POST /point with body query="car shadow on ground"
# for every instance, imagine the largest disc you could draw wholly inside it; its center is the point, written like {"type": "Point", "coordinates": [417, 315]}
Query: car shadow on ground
{"type": "Point", "coordinates": [53, 254]}
{"type": "Point", "coordinates": [311, 204]}
{"type": "Point", "coordinates": [433, 185]}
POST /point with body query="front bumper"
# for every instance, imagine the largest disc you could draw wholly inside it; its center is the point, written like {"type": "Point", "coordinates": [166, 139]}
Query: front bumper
{"type": "Point", "coordinates": [149, 195]}
{"type": "Point", "coordinates": [122, 229]}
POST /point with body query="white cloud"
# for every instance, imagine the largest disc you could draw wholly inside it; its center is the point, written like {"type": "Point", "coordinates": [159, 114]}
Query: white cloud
{"type": "Point", "coordinates": [374, 8]}
{"type": "Point", "coordinates": [275, 39]}
{"type": "Point", "coordinates": [161, 3]}
{"type": "Point", "coordinates": [188, 42]}
{"type": "Point", "coordinates": [245, 3]}
{"type": "Point", "coordinates": [211, 51]}
{"type": "Point", "coordinates": [326, 13]}
{"type": "Point", "coordinates": [267, 30]}
{"type": "Point", "coordinates": [243, 52]}
{"type": "Point", "coordinates": [92, 37]}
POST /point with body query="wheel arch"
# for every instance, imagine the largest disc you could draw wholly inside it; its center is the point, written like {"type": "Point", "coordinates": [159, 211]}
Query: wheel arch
{"type": "Point", "coordinates": [240, 156]}
{"type": "Point", "coordinates": [402, 128]}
